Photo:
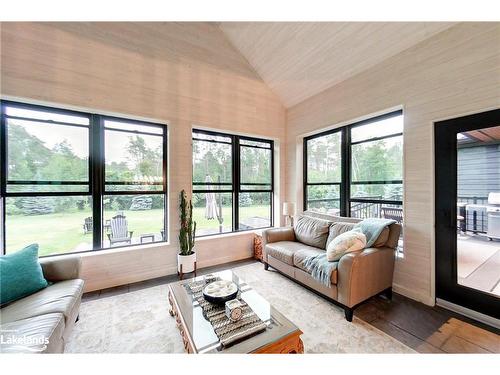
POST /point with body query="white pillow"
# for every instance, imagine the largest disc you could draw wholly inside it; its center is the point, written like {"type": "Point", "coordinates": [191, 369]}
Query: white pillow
{"type": "Point", "coordinates": [345, 243]}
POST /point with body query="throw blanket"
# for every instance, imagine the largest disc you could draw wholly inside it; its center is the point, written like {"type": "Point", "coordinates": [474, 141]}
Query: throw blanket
{"type": "Point", "coordinates": [321, 269]}
{"type": "Point", "coordinates": [372, 227]}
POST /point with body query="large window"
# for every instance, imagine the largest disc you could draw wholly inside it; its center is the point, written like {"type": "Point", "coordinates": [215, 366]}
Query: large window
{"type": "Point", "coordinates": [356, 170]}
{"type": "Point", "coordinates": [74, 181]}
{"type": "Point", "coordinates": [232, 183]}
{"type": "Point", "coordinates": [323, 173]}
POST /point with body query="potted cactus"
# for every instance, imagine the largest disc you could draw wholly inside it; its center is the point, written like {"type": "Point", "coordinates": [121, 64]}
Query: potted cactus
{"type": "Point", "coordinates": [186, 259]}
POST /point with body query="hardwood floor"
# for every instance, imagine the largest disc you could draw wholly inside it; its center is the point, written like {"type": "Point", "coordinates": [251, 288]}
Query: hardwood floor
{"type": "Point", "coordinates": [422, 328]}
{"type": "Point", "coordinates": [428, 329]}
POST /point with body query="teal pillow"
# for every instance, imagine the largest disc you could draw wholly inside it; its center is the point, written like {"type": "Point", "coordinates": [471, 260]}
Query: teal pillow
{"type": "Point", "coordinates": [20, 274]}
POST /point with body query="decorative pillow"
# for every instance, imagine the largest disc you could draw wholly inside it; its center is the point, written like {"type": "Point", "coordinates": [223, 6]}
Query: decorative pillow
{"type": "Point", "coordinates": [345, 243]}
{"type": "Point", "coordinates": [337, 228]}
{"type": "Point", "coordinates": [20, 274]}
{"type": "Point", "coordinates": [311, 231]}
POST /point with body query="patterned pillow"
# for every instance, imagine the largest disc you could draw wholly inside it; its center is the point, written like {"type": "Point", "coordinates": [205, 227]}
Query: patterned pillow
{"type": "Point", "coordinates": [337, 228]}
{"type": "Point", "coordinates": [345, 243]}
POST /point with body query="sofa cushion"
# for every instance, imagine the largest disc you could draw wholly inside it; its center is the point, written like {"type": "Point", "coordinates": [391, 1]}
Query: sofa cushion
{"type": "Point", "coordinates": [44, 334]}
{"type": "Point", "coordinates": [340, 227]}
{"type": "Point", "coordinates": [62, 297]}
{"type": "Point", "coordinates": [300, 256]}
{"type": "Point", "coordinates": [284, 250]}
{"type": "Point", "coordinates": [21, 274]}
{"type": "Point", "coordinates": [312, 231]}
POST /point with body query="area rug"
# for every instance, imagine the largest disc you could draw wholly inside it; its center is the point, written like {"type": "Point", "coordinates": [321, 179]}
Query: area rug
{"type": "Point", "coordinates": [139, 322]}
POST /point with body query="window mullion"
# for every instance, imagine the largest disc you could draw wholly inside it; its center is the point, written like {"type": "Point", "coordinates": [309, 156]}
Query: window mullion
{"type": "Point", "coordinates": [345, 187]}
{"type": "Point", "coordinates": [97, 173]}
{"type": "Point", "coordinates": [3, 177]}
{"type": "Point", "coordinates": [165, 187]}
{"type": "Point", "coordinates": [237, 182]}
{"type": "Point", "coordinates": [271, 200]}
{"type": "Point", "coordinates": [304, 174]}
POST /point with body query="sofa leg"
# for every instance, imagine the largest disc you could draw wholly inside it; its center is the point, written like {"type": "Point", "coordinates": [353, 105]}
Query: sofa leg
{"type": "Point", "coordinates": [266, 266]}
{"type": "Point", "coordinates": [388, 293]}
{"type": "Point", "coordinates": [348, 313]}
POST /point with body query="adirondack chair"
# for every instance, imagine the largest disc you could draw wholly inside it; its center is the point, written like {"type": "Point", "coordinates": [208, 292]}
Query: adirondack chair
{"type": "Point", "coordinates": [119, 230]}
{"type": "Point", "coordinates": [394, 213]}
{"type": "Point", "coordinates": [88, 225]}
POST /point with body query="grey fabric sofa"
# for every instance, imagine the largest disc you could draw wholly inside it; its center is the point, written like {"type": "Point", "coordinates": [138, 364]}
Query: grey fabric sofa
{"type": "Point", "coordinates": [47, 315]}
{"type": "Point", "coordinates": [358, 276]}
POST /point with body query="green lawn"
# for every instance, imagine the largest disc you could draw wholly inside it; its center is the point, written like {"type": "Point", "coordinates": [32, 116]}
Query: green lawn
{"type": "Point", "coordinates": [63, 232]}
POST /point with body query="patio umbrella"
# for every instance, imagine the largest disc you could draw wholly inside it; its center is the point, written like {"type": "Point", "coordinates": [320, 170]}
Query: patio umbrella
{"type": "Point", "coordinates": [211, 203]}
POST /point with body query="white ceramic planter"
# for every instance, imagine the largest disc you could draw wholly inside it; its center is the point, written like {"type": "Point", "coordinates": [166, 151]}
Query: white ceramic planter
{"type": "Point", "coordinates": [187, 262]}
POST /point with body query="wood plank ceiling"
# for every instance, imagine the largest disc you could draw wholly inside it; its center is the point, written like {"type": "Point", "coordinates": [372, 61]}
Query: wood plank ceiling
{"type": "Point", "coordinates": [300, 59]}
{"type": "Point", "coordinates": [484, 135]}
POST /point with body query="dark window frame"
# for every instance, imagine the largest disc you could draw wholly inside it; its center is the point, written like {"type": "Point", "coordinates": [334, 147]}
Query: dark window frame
{"type": "Point", "coordinates": [346, 167]}
{"type": "Point", "coordinates": [236, 177]}
{"type": "Point", "coordinates": [96, 168]}
{"type": "Point", "coordinates": [447, 284]}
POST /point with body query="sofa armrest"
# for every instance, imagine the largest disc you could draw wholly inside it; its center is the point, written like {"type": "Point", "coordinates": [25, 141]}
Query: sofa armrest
{"type": "Point", "coordinates": [364, 274]}
{"type": "Point", "coordinates": [61, 268]}
{"type": "Point", "coordinates": [277, 234]}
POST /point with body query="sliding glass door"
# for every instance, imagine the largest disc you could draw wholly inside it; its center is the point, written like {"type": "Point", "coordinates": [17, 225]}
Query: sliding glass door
{"type": "Point", "coordinates": [468, 211]}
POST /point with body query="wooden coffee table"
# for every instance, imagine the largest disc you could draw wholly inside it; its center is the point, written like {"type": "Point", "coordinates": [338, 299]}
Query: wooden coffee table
{"type": "Point", "coordinates": [280, 336]}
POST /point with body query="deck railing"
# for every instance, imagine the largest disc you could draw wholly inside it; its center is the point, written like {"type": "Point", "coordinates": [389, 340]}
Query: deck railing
{"type": "Point", "coordinates": [360, 210]}
{"type": "Point", "coordinates": [475, 218]}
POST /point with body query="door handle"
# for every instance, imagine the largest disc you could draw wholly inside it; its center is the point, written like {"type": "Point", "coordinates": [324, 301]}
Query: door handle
{"type": "Point", "coordinates": [448, 219]}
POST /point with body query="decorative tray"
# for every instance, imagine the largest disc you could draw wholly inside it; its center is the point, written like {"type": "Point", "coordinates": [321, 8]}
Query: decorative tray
{"type": "Point", "coordinates": [219, 292]}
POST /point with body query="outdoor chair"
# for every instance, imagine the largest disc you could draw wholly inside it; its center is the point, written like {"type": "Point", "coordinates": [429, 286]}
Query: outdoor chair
{"type": "Point", "coordinates": [88, 225]}
{"type": "Point", "coordinates": [119, 230]}
{"type": "Point", "coordinates": [394, 213]}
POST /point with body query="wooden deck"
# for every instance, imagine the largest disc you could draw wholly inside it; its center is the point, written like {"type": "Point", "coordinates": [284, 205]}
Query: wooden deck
{"type": "Point", "coordinates": [478, 263]}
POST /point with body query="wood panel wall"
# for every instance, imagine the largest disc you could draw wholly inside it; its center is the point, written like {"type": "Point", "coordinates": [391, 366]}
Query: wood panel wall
{"type": "Point", "coordinates": [454, 73]}
{"type": "Point", "coordinates": [181, 74]}
{"type": "Point", "coordinates": [189, 75]}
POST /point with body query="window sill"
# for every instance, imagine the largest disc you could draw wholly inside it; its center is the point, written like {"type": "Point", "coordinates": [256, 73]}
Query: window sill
{"type": "Point", "coordinates": [126, 249]}
{"type": "Point", "coordinates": [123, 249]}
{"type": "Point", "coordinates": [232, 234]}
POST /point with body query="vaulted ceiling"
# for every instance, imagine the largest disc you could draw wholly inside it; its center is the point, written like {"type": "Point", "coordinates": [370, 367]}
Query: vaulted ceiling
{"type": "Point", "coordinates": [300, 59]}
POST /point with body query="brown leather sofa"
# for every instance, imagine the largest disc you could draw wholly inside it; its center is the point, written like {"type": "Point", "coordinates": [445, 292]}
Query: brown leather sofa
{"type": "Point", "coordinates": [44, 320]}
{"type": "Point", "coordinates": [358, 276]}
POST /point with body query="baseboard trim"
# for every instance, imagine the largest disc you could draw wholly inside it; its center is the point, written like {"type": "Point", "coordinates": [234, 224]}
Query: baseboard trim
{"type": "Point", "coordinates": [486, 319]}
{"type": "Point", "coordinates": [223, 260]}
{"type": "Point", "coordinates": [425, 299]}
